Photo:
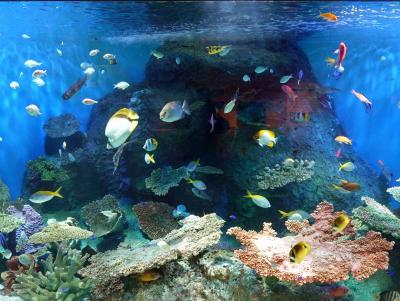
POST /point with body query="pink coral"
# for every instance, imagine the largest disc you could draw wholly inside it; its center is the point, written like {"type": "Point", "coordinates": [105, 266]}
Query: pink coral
{"type": "Point", "coordinates": [333, 255]}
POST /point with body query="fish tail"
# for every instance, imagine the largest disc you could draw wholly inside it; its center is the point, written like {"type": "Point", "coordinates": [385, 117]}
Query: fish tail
{"type": "Point", "coordinates": [57, 193]}
{"type": "Point", "coordinates": [197, 161]}
{"type": "Point", "coordinates": [190, 181]}
{"type": "Point", "coordinates": [283, 214]}
{"type": "Point", "coordinates": [340, 166]}
{"type": "Point", "coordinates": [185, 107]}
{"type": "Point", "coordinates": [248, 195]}
{"type": "Point", "coordinates": [151, 157]}
{"type": "Point", "coordinates": [335, 186]}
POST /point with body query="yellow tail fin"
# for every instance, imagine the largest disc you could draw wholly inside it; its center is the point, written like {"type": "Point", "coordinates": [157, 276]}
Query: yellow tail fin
{"type": "Point", "coordinates": [341, 166]}
{"type": "Point", "coordinates": [248, 195]}
{"type": "Point", "coordinates": [283, 213]}
{"type": "Point", "coordinates": [57, 193]}
{"type": "Point", "coordinates": [336, 187]}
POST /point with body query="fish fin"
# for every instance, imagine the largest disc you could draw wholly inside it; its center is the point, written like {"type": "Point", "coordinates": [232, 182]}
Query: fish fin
{"type": "Point", "coordinates": [57, 193]}
{"type": "Point", "coordinates": [335, 186]}
{"type": "Point", "coordinates": [185, 107]}
{"type": "Point", "coordinates": [259, 142]}
{"type": "Point", "coordinates": [190, 181]}
{"type": "Point", "coordinates": [151, 158]}
{"type": "Point", "coordinates": [275, 140]}
{"type": "Point", "coordinates": [248, 194]}
{"type": "Point", "coordinates": [336, 51]}
{"type": "Point", "coordinates": [340, 166]}
{"type": "Point", "coordinates": [197, 161]}
{"type": "Point", "coordinates": [283, 214]}
{"type": "Point", "coordinates": [270, 144]}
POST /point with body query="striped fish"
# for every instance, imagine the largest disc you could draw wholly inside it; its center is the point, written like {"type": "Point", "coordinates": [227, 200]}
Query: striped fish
{"type": "Point", "coordinates": [390, 296]}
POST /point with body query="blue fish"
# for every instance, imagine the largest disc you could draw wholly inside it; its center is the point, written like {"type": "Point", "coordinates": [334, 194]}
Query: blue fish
{"type": "Point", "coordinates": [300, 76]}
{"type": "Point", "coordinates": [233, 216]}
{"type": "Point", "coordinates": [180, 212]}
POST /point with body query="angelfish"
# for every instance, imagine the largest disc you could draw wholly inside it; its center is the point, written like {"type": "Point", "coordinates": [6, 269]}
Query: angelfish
{"type": "Point", "coordinates": [74, 88]}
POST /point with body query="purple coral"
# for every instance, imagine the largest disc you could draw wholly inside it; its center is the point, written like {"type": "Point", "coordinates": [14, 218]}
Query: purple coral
{"type": "Point", "coordinates": [33, 223]}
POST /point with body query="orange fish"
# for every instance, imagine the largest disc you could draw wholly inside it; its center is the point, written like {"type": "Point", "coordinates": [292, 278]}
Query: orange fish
{"type": "Point", "coordinates": [349, 186]}
{"type": "Point", "coordinates": [337, 292]}
{"type": "Point", "coordinates": [149, 276]}
{"type": "Point", "coordinates": [362, 98]}
{"type": "Point", "coordinates": [329, 17]}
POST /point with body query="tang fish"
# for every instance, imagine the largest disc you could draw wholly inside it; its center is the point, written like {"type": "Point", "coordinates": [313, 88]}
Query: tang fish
{"type": "Point", "coordinates": [44, 196]}
{"type": "Point", "coordinates": [329, 17]}
{"type": "Point", "coordinates": [260, 69]}
{"type": "Point", "coordinates": [149, 276]}
{"type": "Point", "coordinates": [174, 110]}
{"type": "Point", "coordinates": [149, 158]}
{"type": "Point", "coordinates": [94, 52]}
{"type": "Point", "coordinates": [348, 166]}
{"type": "Point", "coordinates": [390, 296]}
{"type": "Point", "coordinates": [39, 73]}
{"type": "Point", "coordinates": [231, 104]}
{"type": "Point", "coordinates": [200, 185]}
{"type": "Point", "coordinates": [299, 252]}
{"type": "Point", "coordinates": [300, 76]}
{"type": "Point", "coordinates": [33, 110]}
{"type": "Point", "coordinates": [150, 144]}
{"type": "Point", "coordinates": [362, 98]}
{"type": "Point", "coordinates": [121, 85]}
{"type": "Point", "coordinates": [191, 167]}
{"type": "Point", "coordinates": [157, 54]}
{"type": "Point", "coordinates": [341, 222]}
{"type": "Point", "coordinates": [348, 186]}
{"type": "Point", "coordinates": [38, 82]}
{"type": "Point", "coordinates": [294, 215]}
{"type": "Point", "coordinates": [330, 61]}
{"type": "Point", "coordinates": [285, 79]}
{"type": "Point", "coordinates": [32, 64]}
{"type": "Point", "coordinates": [89, 101]}
{"type": "Point", "coordinates": [289, 92]}
{"type": "Point", "coordinates": [259, 200]}
{"type": "Point", "coordinates": [74, 88]}
{"type": "Point", "coordinates": [215, 49]}
{"type": "Point", "coordinates": [14, 85]}
{"type": "Point", "coordinates": [120, 126]}
{"type": "Point", "coordinates": [265, 138]}
{"type": "Point", "coordinates": [343, 139]}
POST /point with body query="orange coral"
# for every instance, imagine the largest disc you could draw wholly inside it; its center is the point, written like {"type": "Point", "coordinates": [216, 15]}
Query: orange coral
{"type": "Point", "coordinates": [333, 255]}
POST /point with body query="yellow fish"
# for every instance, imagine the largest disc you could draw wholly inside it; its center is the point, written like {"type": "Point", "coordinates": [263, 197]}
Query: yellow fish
{"type": "Point", "coordinates": [348, 166]}
{"type": "Point", "coordinates": [45, 196]}
{"type": "Point", "coordinates": [299, 251]}
{"type": "Point", "coordinates": [341, 222]}
{"type": "Point", "coordinates": [149, 276]}
{"type": "Point", "coordinates": [265, 137]}
{"type": "Point", "coordinates": [343, 139]}
{"type": "Point", "coordinates": [329, 17]}
{"type": "Point", "coordinates": [149, 158]}
{"type": "Point", "coordinates": [330, 61]}
{"type": "Point", "coordinates": [120, 127]}
{"type": "Point", "coordinates": [294, 215]}
{"type": "Point", "coordinates": [215, 49]}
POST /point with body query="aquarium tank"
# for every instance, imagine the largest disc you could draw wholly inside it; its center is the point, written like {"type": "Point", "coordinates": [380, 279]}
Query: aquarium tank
{"type": "Point", "coordinates": [199, 151]}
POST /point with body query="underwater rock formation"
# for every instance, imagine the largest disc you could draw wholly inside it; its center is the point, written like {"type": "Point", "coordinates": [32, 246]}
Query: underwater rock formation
{"type": "Point", "coordinates": [64, 127]}
{"type": "Point", "coordinates": [377, 217]}
{"type": "Point", "coordinates": [163, 179]}
{"type": "Point", "coordinates": [155, 218]}
{"type": "Point", "coordinates": [5, 196]}
{"type": "Point", "coordinates": [32, 223]}
{"type": "Point", "coordinates": [60, 231]}
{"type": "Point", "coordinates": [333, 255]}
{"type": "Point", "coordinates": [57, 281]}
{"type": "Point", "coordinates": [110, 268]}
{"type": "Point", "coordinates": [395, 192]}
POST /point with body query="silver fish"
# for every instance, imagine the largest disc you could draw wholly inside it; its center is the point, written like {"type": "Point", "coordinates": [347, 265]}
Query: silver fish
{"type": "Point", "coordinates": [174, 111]}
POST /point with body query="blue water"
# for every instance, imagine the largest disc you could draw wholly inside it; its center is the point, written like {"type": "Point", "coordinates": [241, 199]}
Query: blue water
{"type": "Point", "coordinates": [132, 30]}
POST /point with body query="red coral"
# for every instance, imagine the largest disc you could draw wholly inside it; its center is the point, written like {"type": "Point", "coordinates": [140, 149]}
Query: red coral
{"type": "Point", "coordinates": [333, 255]}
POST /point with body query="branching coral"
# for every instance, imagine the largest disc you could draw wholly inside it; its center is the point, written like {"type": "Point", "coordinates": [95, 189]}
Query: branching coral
{"type": "Point", "coordinates": [281, 175]}
{"type": "Point", "coordinates": [162, 179]}
{"type": "Point", "coordinates": [377, 217]}
{"type": "Point", "coordinates": [155, 218]}
{"type": "Point", "coordinates": [108, 269]}
{"type": "Point", "coordinates": [60, 231]}
{"type": "Point", "coordinates": [57, 281]}
{"type": "Point", "coordinates": [333, 255]}
{"type": "Point", "coordinates": [395, 192]}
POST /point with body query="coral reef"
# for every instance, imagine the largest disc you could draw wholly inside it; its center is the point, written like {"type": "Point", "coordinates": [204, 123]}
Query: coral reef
{"type": "Point", "coordinates": [333, 255]}
{"type": "Point", "coordinates": [60, 231]}
{"type": "Point", "coordinates": [155, 218]}
{"type": "Point", "coordinates": [9, 223]}
{"type": "Point", "coordinates": [281, 175]}
{"type": "Point", "coordinates": [109, 268]}
{"type": "Point", "coordinates": [162, 179]}
{"type": "Point", "coordinates": [395, 192]}
{"type": "Point", "coordinates": [89, 211]}
{"type": "Point", "coordinates": [106, 222]}
{"type": "Point", "coordinates": [15, 268]}
{"type": "Point", "coordinates": [57, 281]}
{"type": "Point", "coordinates": [32, 223]}
{"type": "Point", "coordinates": [377, 217]}
{"type": "Point", "coordinates": [370, 288]}
{"type": "Point", "coordinates": [4, 193]}
{"type": "Point", "coordinates": [209, 170]}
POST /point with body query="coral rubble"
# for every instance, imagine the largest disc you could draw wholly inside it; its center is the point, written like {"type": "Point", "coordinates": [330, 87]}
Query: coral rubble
{"type": "Point", "coordinates": [155, 218]}
{"type": "Point", "coordinates": [377, 217]}
{"type": "Point", "coordinates": [109, 268]}
{"type": "Point", "coordinates": [333, 255]}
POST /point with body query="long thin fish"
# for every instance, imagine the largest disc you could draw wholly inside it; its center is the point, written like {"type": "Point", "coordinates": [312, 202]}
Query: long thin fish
{"type": "Point", "coordinates": [74, 88]}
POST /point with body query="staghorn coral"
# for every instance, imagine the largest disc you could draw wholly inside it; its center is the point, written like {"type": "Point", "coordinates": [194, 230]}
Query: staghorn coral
{"type": "Point", "coordinates": [333, 255]}
{"type": "Point", "coordinates": [32, 223]}
{"type": "Point", "coordinates": [162, 179]}
{"type": "Point", "coordinates": [89, 211]}
{"type": "Point", "coordinates": [109, 268]}
{"type": "Point", "coordinates": [9, 223]}
{"type": "Point", "coordinates": [155, 218]}
{"type": "Point", "coordinates": [57, 281]}
{"type": "Point", "coordinates": [377, 217]}
{"type": "Point", "coordinates": [395, 192]}
{"type": "Point", "coordinates": [60, 231]}
{"type": "Point", "coordinates": [281, 175]}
